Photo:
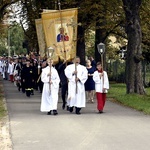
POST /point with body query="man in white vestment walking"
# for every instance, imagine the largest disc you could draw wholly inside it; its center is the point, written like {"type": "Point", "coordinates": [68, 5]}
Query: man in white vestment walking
{"type": "Point", "coordinates": [51, 80]}
{"type": "Point", "coordinates": [77, 75]}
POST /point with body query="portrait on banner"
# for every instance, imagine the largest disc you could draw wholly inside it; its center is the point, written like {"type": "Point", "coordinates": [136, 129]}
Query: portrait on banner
{"type": "Point", "coordinates": [62, 34]}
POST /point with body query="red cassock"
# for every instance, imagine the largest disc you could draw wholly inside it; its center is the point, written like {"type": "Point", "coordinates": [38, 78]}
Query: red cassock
{"type": "Point", "coordinates": [101, 98]}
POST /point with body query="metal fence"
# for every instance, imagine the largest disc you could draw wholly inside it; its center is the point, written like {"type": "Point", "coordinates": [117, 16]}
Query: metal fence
{"type": "Point", "coordinates": [116, 71]}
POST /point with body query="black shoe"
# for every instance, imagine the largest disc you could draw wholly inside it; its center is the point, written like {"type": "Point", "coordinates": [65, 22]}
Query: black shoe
{"type": "Point", "coordinates": [100, 111]}
{"type": "Point", "coordinates": [19, 89]}
{"type": "Point", "coordinates": [27, 95]}
{"type": "Point", "coordinates": [63, 106]}
{"type": "Point", "coordinates": [55, 112]}
{"type": "Point", "coordinates": [71, 109]}
{"type": "Point", "coordinates": [78, 113]}
{"type": "Point", "coordinates": [49, 113]}
{"type": "Point", "coordinates": [67, 108]}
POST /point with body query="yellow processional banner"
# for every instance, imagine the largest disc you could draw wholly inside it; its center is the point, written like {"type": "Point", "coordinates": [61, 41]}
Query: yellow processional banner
{"type": "Point", "coordinates": [60, 29]}
{"type": "Point", "coordinates": [40, 37]}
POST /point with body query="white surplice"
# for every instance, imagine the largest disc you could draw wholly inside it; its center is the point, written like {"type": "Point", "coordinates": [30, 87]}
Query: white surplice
{"type": "Point", "coordinates": [76, 99]}
{"type": "Point", "coordinates": [102, 82]}
{"type": "Point", "coordinates": [10, 68]}
{"type": "Point", "coordinates": [49, 98]}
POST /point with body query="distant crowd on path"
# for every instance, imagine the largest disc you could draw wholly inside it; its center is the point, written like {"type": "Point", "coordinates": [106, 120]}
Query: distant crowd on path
{"type": "Point", "coordinates": [79, 84]}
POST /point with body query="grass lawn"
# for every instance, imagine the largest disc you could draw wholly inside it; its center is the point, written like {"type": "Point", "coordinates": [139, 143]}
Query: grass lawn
{"type": "Point", "coordinates": [138, 102]}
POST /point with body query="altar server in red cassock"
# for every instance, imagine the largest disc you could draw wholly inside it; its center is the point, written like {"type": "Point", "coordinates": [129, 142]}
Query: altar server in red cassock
{"type": "Point", "coordinates": [101, 86]}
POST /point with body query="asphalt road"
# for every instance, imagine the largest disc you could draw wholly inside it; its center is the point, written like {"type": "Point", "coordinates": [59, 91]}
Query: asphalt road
{"type": "Point", "coordinates": [118, 128]}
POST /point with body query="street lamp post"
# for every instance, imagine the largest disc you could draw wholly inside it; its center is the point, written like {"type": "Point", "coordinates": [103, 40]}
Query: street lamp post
{"type": "Point", "coordinates": [9, 42]}
{"type": "Point", "coordinates": [101, 50]}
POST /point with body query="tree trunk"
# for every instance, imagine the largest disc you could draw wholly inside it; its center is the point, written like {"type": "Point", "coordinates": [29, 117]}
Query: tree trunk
{"type": "Point", "coordinates": [81, 45]}
{"type": "Point", "coordinates": [101, 34]}
{"type": "Point", "coordinates": [100, 37]}
{"type": "Point", "coordinates": [134, 80]}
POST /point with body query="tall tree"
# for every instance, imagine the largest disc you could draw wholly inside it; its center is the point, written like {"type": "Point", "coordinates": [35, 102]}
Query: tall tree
{"type": "Point", "coordinates": [145, 23]}
{"type": "Point", "coordinates": [16, 39]}
{"type": "Point", "coordinates": [134, 80]}
{"type": "Point", "coordinates": [105, 17]}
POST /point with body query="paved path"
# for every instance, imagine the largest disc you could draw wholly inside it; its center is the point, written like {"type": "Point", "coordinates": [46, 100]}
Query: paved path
{"type": "Point", "coordinates": [119, 128]}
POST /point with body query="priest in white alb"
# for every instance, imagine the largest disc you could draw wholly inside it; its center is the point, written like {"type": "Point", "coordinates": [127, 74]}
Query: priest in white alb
{"type": "Point", "coordinates": [77, 75]}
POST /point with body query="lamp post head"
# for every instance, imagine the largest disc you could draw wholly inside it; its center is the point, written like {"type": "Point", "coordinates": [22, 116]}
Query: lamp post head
{"type": "Point", "coordinates": [101, 48]}
{"type": "Point", "coordinates": [50, 51]}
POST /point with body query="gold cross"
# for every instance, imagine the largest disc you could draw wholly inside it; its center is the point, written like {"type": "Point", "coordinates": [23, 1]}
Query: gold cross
{"type": "Point", "coordinates": [73, 24]}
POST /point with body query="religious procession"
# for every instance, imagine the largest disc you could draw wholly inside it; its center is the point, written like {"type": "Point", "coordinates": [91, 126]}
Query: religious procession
{"type": "Point", "coordinates": [57, 67]}
{"type": "Point", "coordinates": [77, 84]}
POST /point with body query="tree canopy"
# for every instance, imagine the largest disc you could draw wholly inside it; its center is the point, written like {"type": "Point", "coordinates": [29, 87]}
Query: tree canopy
{"type": "Point", "coordinates": [100, 19]}
{"type": "Point", "coordinates": [101, 15]}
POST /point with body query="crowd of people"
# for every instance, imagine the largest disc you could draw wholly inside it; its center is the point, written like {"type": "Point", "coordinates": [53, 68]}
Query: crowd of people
{"type": "Point", "coordinates": [79, 84]}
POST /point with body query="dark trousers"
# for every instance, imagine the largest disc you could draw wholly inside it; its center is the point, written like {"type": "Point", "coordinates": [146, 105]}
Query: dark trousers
{"type": "Point", "coordinates": [40, 85]}
{"type": "Point", "coordinates": [28, 93]}
{"type": "Point", "coordinates": [23, 86]}
{"type": "Point", "coordinates": [19, 86]}
{"type": "Point", "coordinates": [64, 89]}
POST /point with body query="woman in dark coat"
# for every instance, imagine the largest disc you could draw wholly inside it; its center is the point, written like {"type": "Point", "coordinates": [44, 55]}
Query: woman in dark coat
{"type": "Point", "coordinates": [90, 84]}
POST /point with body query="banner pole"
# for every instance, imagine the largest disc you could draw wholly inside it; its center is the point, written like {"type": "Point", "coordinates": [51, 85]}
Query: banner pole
{"type": "Point", "coordinates": [59, 4]}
